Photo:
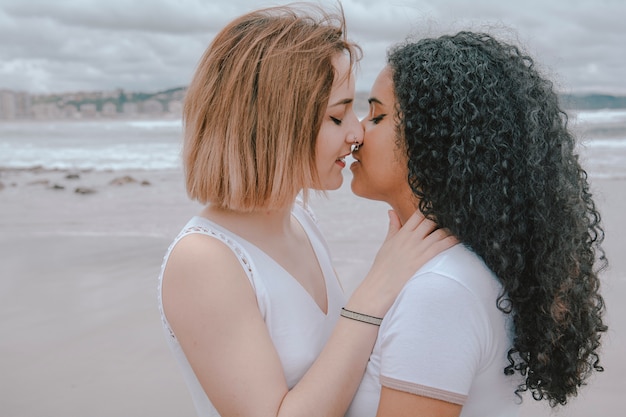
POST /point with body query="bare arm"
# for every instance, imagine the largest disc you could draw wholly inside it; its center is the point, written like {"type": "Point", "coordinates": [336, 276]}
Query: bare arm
{"type": "Point", "coordinates": [212, 308]}
{"type": "Point", "coordinates": [394, 403]}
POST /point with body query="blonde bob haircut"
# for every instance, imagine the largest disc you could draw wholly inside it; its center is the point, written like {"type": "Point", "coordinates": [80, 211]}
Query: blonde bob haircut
{"type": "Point", "coordinates": [255, 106]}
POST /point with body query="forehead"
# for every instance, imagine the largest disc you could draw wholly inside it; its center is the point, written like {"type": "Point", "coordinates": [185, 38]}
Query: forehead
{"type": "Point", "coordinates": [343, 80]}
{"type": "Point", "coordinates": [383, 87]}
{"type": "Point", "coordinates": [341, 63]}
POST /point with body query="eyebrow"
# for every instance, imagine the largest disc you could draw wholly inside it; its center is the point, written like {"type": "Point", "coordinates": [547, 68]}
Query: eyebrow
{"type": "Point", "coordinates": [374, 100]}
{"type": "Point", "coordinates": [342, 102]}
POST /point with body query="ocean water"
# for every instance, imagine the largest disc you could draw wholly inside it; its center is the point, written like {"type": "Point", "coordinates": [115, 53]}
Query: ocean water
{"type": "Point", "coordinates": [601, 141]}
{"type": "Point", "coordinates": [91, 145]}
{"type": "Point", "coordinates": [156, 144]}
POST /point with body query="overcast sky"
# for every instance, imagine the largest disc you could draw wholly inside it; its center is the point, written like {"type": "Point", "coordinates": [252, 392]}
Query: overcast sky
{"type": "Point", "coordinates": [151, 45]}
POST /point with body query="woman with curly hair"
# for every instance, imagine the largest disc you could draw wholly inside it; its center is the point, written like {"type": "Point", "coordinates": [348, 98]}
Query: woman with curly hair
{"type": "Point", "coordinates": [465, 128]}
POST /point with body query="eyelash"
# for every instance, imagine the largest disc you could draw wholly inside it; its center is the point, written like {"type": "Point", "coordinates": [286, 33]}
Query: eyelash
{"type": "Point", "coordinates": [377, 119]}
{"type": "Point", "coordinates": [336, 121]}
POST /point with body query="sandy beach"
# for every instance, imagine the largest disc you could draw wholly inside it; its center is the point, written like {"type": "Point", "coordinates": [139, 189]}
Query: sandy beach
{"type": "Point", "coordinates": [81, 333]}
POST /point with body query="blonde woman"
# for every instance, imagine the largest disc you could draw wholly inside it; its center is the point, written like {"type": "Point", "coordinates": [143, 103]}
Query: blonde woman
{"type": "Point", "coordinates": [250, 302]}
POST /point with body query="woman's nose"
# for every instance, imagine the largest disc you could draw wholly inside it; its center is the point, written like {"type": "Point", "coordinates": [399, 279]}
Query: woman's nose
{"type": "Point", "coordinates": [357, 136]}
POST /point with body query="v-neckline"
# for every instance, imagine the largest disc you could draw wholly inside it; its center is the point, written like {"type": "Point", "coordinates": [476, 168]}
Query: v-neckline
{"type": "Point", "coordinates": [309, 296]}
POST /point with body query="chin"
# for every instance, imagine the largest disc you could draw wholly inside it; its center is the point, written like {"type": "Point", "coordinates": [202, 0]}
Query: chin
{"type": "Point", "coordinates": [356, 190]}
{"type": "Point", "coordinates": [364, 191]}
{"type": "Point", "coordinates": [335, 185]}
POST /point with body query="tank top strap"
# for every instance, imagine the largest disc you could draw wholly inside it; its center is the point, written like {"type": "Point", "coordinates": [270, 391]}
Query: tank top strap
{"type": "Point", "coordinates": [209, 230]}
{"type": "Point", "coordinates": [206, 227]}
{"type": "Point", "coordinates": [302, 207]}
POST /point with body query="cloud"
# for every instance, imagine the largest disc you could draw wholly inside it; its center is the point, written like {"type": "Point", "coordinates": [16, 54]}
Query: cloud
{"type": "Point", "coordinates": [183, 16]}
{"type": "Point", "coordinates": [149, 45]}
{"type": "Point", "coordinates": [83, 48]}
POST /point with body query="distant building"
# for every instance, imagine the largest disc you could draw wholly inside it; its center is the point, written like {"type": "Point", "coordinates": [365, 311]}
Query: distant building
{"type": "Point", "coordinates": [175, 107]}
{"type": "Point", "coordinates": [82, 104]}
{"type": "Point", "coordinates": [88, 110]}
{"type": "Point", "coordinates": [152, 107]}
{"type": "Point", "coordinates": [130, 108]}
{"type": "Point", "coordinates": [23, 105]}
{"type": "Point", "coordinates": [109, 109]}
{"type": "Point", "coordinates": [45, 111]}
{"type": "Point", "coordinates": [70, 111]}
{"type": "Point", "coordinates": [112, 94]}
{"type": "Point", "coordinates": [7, 105]}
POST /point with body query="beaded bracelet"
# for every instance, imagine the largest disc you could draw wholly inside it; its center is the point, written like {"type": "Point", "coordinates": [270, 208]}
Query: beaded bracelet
{"type": "Point", "coordinates": [353, 315]}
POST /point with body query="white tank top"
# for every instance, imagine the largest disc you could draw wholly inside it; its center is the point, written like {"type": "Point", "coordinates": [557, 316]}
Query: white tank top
{"type": "Point", "coordinates": [297, 326]}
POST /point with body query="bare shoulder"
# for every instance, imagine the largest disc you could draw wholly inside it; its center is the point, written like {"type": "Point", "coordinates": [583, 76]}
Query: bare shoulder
{"type": "Point", "coordinates": [212, 309]}
{"type": "Point", "coordinates": [202, 273]}
{"type": "Point", "coordinates": [199, 254]}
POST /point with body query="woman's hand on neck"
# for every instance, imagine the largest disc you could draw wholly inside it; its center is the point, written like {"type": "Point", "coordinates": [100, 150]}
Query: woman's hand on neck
{"type": "Point", "coordinates": [405, 207]}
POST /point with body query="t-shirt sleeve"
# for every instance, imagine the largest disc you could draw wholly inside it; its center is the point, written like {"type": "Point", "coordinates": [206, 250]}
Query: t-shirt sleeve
{"type": "Point", "coordinates": [432, 339]}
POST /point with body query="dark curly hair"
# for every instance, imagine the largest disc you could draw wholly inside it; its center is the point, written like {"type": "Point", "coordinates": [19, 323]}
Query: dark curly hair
{"type": "Point", "coordinates": [491, 159]}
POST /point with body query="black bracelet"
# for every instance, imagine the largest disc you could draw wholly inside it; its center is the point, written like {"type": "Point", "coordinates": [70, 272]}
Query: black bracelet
{"type": "Point", "coordinates": [353, 315]}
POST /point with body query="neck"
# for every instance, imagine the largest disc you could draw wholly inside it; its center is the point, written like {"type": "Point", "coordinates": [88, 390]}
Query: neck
{"type": "Point", "coordinates": [268, 223]}
{"type": "Point", "coordinates": [404, 207]}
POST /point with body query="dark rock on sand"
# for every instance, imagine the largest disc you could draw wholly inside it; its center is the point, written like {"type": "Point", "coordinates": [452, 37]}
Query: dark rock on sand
{"type": "Point", "coordinates": [127, 179]}
{"type": "Point", "coordinates": [84, 190]}
{"type": "Point", "coordinates": [39, 182]}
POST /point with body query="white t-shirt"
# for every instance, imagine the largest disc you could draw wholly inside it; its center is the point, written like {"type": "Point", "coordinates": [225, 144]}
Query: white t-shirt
{"type": "Point", "coordinates": [297, 326]}
{"type": "Point", "coordinates": [445, 338]}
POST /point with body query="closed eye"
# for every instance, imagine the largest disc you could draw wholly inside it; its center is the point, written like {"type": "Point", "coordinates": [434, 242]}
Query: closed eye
{"type": "Point", "coordinates": [336, 121]}
{"type": "Point", "coordinates": [377, 119]}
